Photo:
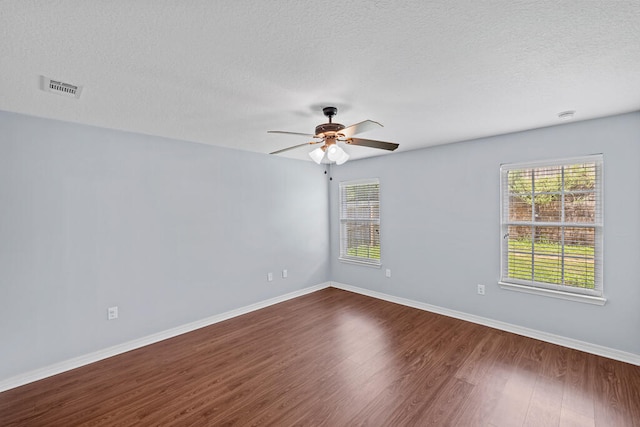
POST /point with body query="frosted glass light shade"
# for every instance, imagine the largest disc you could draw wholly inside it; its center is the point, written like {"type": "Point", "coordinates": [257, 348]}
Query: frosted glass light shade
{"type": "Point", "coordinates": [333, 152]}
{"type": "Point", "coordinates": [317, 155]}
{"type": "Point", "coordinates": [343, 158]}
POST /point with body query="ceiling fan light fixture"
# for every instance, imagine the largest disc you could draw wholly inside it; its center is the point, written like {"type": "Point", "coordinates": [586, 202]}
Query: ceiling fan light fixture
{"type": "Point", "coordinates": [317, 155]}
{"type": "Point", "coordinates": [332, 133]}
{"type": "Point", "coordinates": [334, 152]}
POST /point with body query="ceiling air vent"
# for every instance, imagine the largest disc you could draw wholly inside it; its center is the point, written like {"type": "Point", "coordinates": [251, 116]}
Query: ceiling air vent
{"type": "Point", "coordinates": [61, 88]}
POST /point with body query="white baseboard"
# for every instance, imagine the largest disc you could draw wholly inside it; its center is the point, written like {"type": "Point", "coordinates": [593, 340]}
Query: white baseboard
{"type": "Point", "coordinates": [531, 333]}
{"type": "Point", "coordinates": [86, 359]}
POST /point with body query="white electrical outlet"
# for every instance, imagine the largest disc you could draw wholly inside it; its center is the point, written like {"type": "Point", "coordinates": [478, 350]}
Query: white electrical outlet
{"type": "Point", "coordinates": [270, 277]}
{"type": "Point", "coordinates": [388, 272]}
{"type": "Point", "coordinates": [112, 313]}
{"type": "Point", "coordinates": [480, 289]}
{"type": "Point", "coordinates": [285, 273]}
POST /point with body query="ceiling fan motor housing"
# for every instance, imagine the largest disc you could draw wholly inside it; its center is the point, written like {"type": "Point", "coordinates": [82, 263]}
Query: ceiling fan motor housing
{"type": "Point", "coordinates": [328, 127]}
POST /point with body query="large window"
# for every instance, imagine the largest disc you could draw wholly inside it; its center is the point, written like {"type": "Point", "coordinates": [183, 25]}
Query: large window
{"type": "Point", "coordinates": [360, 221]}
{"type": "Point", "coordinates": [552, 228]}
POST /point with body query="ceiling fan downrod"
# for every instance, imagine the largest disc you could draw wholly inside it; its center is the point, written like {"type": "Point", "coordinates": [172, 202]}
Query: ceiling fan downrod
{"type": "Point", "coordinates": [330, 112]}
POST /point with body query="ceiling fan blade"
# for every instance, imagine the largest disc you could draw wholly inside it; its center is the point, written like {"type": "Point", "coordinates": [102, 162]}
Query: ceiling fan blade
{"type": "Point", "coordinates": [291, 133]}
{"type": "Point", "coordinates": [296, 146]}
{"type": "Point", "coordinates": [372, 143]}
{"type": "Point", "coordinates": [360, 127]}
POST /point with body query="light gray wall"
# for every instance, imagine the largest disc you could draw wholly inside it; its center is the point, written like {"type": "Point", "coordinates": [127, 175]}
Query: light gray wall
{"type": "Point", "coordinates": [174, 232]}
{"type": "Point", "coordinates": [170, 232]}
{"type": "Point", "coordinates": [440, 231]}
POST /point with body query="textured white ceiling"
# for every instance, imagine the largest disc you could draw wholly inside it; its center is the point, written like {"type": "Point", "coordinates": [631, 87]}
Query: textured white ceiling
{"type": "Point", "coordinates": [224, 72]}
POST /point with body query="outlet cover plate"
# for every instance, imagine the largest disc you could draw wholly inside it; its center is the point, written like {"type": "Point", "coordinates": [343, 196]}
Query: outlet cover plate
{"type": "Point", "coordinates": [112, 313]}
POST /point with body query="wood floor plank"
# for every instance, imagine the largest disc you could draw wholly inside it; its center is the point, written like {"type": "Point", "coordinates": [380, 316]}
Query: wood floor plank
{"type": "Point", "coordinates": [441, 407]}
{"type": "Point", "coordinates": [513, 405]}
{"type": "Point", "coordinates": [568, 418]}
{"type": "Point", "coordinates": [578, 395]}
{"type": "Point", "coordinates": [546, 403]}
{"type": "Point", "coordinates": [631, 386]}
{"type": "Point", "coordinates": [334, 358]}
{"type": "Point", "coordinates": [429, 367]}
{"type": "Point", "coordinates": [475, 367]}
{"type": "Point", "coordinates": [481, 403]}
{"type": "Point", "coordinates": [611, 403]}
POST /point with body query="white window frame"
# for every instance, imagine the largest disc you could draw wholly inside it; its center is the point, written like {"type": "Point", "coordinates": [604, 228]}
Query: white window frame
{"type": "Point", "coordinates": [591, 296]}
{"type": "Point", "coordinates": [345, 221]}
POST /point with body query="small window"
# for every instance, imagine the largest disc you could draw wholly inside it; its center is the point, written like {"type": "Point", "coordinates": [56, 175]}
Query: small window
{"type": "Point", "coordinates": [552, 227]}
{"type": "Point", "coordinates": [360, 222]}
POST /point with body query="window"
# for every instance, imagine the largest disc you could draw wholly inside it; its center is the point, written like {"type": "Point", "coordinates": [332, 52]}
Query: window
{"type": "Point", "coordinates": [360, 221]}
{"type": "Point", "coordinates": [552, 228]}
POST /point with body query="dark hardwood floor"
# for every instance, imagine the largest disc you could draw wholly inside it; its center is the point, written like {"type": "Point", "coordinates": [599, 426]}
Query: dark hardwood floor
{"type": "Point", "coordinates": [334, 358]}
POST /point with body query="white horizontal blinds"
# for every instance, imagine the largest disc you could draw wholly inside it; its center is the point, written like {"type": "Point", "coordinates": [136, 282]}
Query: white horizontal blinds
{"type": "Point", "coordinates": [552, 225]}
{"type": "Point", "coordinates": [360, 221]}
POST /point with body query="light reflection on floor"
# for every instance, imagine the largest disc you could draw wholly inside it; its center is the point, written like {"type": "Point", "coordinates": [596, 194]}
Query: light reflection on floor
{"type": "Point", "coordinates": [367, 349]}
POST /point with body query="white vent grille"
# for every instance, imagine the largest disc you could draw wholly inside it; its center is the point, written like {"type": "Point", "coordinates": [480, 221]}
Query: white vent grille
{"type": "Point", "coordinates": [61, 88]}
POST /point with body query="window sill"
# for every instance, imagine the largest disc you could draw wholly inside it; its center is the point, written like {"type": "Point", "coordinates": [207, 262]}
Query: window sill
{"type": "Point", "coordinates": [356, 262]}
{"type": "Point", "coordinates": [587, 299]}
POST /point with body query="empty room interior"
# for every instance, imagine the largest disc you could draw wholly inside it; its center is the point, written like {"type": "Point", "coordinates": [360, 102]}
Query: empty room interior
{"type": "Point", "coordinates": [320, 213]}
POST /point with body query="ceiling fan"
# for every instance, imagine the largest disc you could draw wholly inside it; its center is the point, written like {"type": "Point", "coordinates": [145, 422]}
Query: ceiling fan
{"type": "Point", "coordinates": [329, 134]}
